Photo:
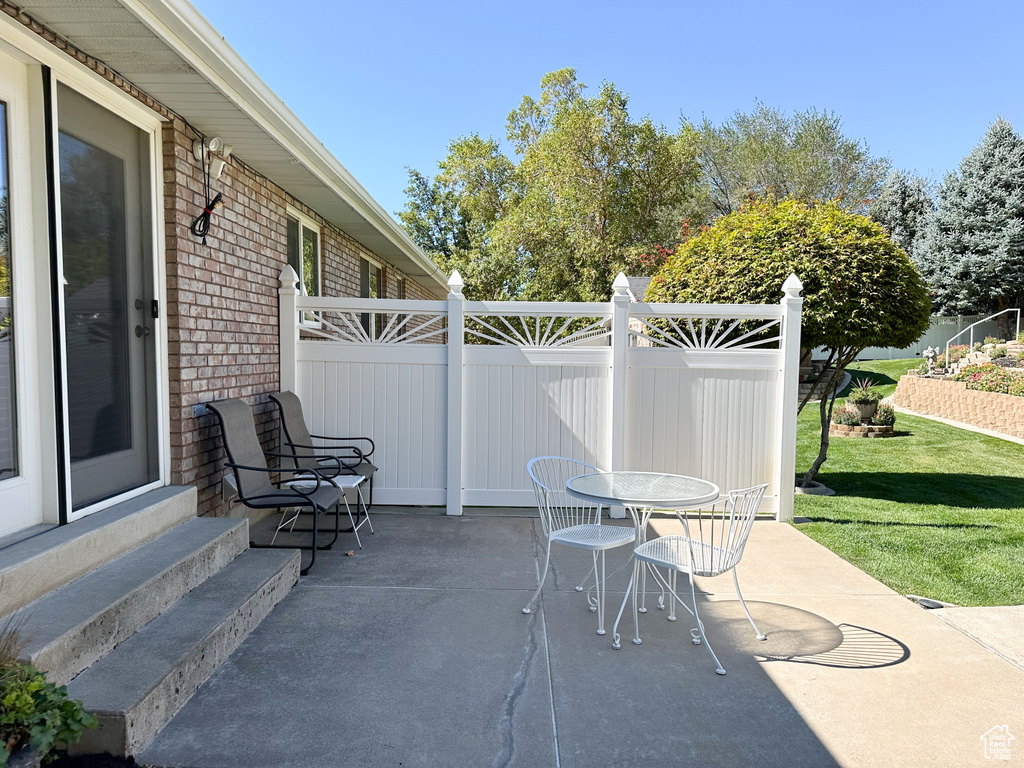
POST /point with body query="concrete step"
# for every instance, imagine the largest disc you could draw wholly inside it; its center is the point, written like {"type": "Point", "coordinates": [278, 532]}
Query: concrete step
{"type": "Point", "coordinates": [73, 627]}
{"type": "Point", "coordinates": [36, 566]}
{"type": "Point", "coordinates": [139, 686]}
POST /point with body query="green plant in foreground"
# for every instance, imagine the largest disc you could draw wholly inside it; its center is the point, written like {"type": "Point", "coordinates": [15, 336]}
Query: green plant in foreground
{"type": "Point", "coordinates": [885, 416]}
{"type": "Point", "coordinates": [1020, 337]}
{"type": "Point", "coordinates": [37, 713]}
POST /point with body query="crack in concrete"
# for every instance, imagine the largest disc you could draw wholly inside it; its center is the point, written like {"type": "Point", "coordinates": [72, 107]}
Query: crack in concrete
{"type": "Point", "coordinates": [506, 724]}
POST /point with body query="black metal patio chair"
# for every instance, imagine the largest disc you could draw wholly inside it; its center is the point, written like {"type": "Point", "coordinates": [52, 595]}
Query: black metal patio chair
{"type": "Point", "coordinates": [335, 456]}
{"type": "Point", "coordinates": [304, 490]}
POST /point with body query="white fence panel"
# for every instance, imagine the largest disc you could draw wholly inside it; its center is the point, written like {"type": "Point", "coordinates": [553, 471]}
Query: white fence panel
{"type": "Point", "coordinates": [460, 395]}
{"type": "Point", "coordinates": [397, 397]}
{"type": "Point", "coordinates": [715, 421]}
{"type": "Point", "coordinates": [517, 406]}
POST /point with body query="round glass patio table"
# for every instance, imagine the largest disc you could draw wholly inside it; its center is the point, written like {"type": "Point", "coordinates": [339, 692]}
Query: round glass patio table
{"type": "Point", "coordinates": [642, 493]}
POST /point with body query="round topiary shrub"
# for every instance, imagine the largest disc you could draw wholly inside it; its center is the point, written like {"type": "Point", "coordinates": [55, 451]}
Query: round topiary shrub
{"type": "Point", "coordinates": [860, 289]}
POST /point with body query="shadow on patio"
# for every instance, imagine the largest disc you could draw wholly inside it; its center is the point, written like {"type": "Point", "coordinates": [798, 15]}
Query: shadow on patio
{"type": "Point", "coordinates": [414, 652]}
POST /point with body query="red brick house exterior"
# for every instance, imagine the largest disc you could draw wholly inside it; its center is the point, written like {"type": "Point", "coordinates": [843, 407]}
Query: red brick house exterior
{"type": "Point", "coordinates": [220, 300]}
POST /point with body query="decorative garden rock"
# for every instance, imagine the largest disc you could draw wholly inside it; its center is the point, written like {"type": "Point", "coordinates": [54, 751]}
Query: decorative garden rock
{"type": "Point", "coordinates": [813, 488]}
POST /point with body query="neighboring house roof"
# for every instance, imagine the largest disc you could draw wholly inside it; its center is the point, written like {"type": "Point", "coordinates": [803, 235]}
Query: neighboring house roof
{"type": "Point", "coordinates": [168, 49]}
{"type": "Point", "coordinates": [638, 287]}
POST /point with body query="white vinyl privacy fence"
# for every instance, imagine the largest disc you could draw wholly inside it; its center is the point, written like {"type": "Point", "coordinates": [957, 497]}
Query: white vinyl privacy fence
{"type": "Point", "coordinates": [458, 395]}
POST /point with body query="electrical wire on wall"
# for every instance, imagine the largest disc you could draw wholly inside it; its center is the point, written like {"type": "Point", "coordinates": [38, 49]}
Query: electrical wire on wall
{"type": "Point", "coordinates": [201, 224]}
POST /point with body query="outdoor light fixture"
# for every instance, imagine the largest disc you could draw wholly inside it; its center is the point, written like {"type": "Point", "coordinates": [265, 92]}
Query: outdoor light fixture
{"type": "Point", "coordinates": [214, 153]}
{"type": "Point", "coordinates": [213, 158]}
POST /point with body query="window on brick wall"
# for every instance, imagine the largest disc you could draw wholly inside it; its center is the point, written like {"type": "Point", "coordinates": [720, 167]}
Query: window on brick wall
{"type": "Point", "coordinates": [371, 286]}
{"type": "Point", "coordinates": [304, 254]}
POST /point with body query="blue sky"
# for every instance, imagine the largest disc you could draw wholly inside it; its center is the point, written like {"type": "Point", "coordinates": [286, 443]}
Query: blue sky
{"type": "Point", "coordinates": [388, 85]}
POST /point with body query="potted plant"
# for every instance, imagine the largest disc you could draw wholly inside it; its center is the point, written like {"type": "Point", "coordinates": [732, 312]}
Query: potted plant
{"type": "Point", "coordinates": [35, 714]}
{"type": "Point", "coordinates": [863, 398]}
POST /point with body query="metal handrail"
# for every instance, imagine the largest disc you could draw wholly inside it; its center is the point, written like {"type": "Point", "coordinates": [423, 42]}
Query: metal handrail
{"type": "Point", "coordinates": [971, 329]}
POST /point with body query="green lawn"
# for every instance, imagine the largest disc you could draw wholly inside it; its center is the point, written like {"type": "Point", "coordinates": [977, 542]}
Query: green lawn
{"type": "Point", "coordinates": [936, 511]}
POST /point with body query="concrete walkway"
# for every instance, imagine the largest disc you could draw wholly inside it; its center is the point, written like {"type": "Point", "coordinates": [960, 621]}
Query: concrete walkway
{"type": "Point", "coordinates": [414, 652]}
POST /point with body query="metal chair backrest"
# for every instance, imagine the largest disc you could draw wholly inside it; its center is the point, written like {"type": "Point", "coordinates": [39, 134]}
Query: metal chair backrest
{"type": "Point", "coordinates": [557, 508]}
{"type": "Point", "coordinates": [293, 427]}
{"type": "Point", "coordinates": [238, 431]}
{"type": "Point", "coordinates": [719, 535]}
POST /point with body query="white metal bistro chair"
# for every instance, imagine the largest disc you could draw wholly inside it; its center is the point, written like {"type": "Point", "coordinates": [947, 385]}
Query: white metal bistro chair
{"type": "Point", "coordinates": [574, 523]}
{"type": "Point", "coordinates": [713, 544]}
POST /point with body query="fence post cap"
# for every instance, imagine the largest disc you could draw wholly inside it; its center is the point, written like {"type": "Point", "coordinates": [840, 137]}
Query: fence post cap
{"type": "Point", "coordinates": [792, 287]}
{"type": "Point", "coordinates": [455, 282]}
{"type": "Point", "coordinates": [621, 284]}
{"type": "Point", "coordinates": [288, 279]}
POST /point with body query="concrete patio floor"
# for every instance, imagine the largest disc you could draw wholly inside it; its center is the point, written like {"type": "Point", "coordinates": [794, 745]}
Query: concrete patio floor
{"type": "Point", "coordinates": [414, 652]}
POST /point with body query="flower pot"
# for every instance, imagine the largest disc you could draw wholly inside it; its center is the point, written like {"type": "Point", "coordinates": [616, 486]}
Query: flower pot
{"type": "Point", "coordinates": [864, 410]}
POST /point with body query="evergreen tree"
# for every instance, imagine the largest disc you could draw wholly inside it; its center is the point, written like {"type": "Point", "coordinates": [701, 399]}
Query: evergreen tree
{"type": "Point", "coordinates": [902, 207]}
{"type": "Point", "coordinates": [972, 249]}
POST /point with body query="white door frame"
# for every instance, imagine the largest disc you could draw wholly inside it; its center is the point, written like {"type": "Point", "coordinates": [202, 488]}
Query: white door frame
{"type": "Point", "coordinates": [21, 496]}
{"type": "Point", "coordinates": [80, 78]}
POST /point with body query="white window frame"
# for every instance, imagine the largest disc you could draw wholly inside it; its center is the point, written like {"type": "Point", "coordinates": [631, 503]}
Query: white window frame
{"type": "Point", "coordinates": [307, 223]}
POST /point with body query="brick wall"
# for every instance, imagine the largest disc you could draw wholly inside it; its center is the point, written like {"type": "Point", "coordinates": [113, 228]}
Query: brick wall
{"type": "Point", "coordinates": [222, 297]}
{"type": "Point", "coordinates": [222, 303]}
{"type": "Point", "coordinates": [952, 400]}
{"type": "Point", "coordinates": [222, 307]}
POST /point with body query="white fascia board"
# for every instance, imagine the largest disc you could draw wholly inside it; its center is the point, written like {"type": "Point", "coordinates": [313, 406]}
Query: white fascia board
{"type": "Point", "coordinates": [186, 31]}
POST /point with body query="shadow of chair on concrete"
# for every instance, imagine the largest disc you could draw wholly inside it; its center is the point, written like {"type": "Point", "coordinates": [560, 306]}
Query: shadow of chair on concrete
{"type": "Point", "coordinates": [801, 637]}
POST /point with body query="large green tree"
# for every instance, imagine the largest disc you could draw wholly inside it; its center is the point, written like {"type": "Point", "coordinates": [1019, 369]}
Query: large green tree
{"type": "Point", "coordinates": [860, 289]}
{"type": "Point", "coordinates": [586, 193]}
{"type": "Point", "coordinates": [767, 153]}
{"type": "Point", "coordinates": [902, 207]}
{"type": "Point", "coordinates": [972, 248]}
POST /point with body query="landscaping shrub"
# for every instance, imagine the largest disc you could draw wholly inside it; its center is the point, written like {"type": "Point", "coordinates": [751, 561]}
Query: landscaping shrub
{"type": "Point", "coordinates": [860, 289]}
{"type": "Point", "coordinates": [922, 369]}
{"type": "Point", "coordinates": [991, 340]}
{"type": "Point", "coordinates": [845, 417]}
{"type": "Point", "coordinates": [997, 353]}
{"type": "Point", "coordinates": [37, 713]}
{"type": "Point", "coordinates": [958, 352]}
{"type": "Point", "coordinates": [977, 346]}
{"type": "Point", "coordinates": [1020, 337]}
{"type": "Point", "coordinates": [864, 391]}
{"type": "Point", "coordinates": [885, 416]}
{"type": "Point", "coordinates": [992, 378]}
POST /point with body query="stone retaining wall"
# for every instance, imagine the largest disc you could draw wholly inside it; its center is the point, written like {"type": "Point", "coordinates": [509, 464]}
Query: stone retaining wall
{"type": "Point", "coordinates": [864, 430]}
{"type": "Point", "coordinates": [952, 400]}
